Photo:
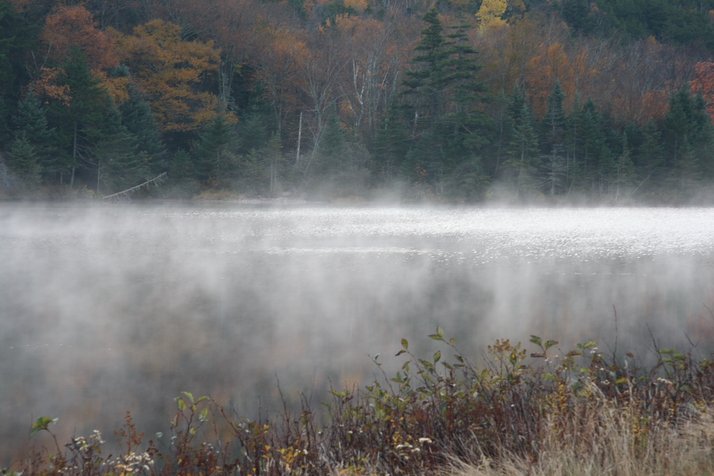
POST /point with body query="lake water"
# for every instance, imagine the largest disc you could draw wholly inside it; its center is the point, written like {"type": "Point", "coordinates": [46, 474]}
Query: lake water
{"type": "Point", "coordinates": [115, 308]}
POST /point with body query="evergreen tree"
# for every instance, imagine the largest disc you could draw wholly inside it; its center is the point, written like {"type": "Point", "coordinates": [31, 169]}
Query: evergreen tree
{"type": "Point", "coordinates": [5, 133]}
{"type": "Point", "coordinates": [81, 123]}
{"type": "Point", "coordinates": [31, 120]}
{"type": "Point", "coordinates": [425, 84]}
{"type": "Point", "coordinates": [22, 160]}
{"type": "Point", "coordinates": [181, 167]}
{"type": "Point", "coordinates": [649, 158]}
{"type": "Point", "coordinates": [137, 118]}
{"type": "Point", "coordinates": [119, 163]}
{"type": "Point", "coordinates": [391, 145]}
{"type": "Point", "coordinates": [625, 169]}
{"type": "Point", "coordinates": [342, 160]}
{"type": "Point", "coordinates": [687, 123]}
{"type": "Point", "coordinates": [443, 99]}
{"type": "Point", "coordinates": [214, 153]}
{"type": "Point", "coordinates": [592, 160]}
{"type": "Point", "coordinates": [254, 129]}
{"type": "Point", "coordinates": [554, 160]}
{"type": "Point", "coordinates": [522, 148]}
{"type": "Point", "coordinates": [18, 36]}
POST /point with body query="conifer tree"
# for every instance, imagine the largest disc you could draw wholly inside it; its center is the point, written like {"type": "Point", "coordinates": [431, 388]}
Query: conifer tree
{"type": "Point", "coordinates": [22, 160]}
{"type": "Point", "coordinates": [214, 152]}
{"type": "Point", "coordinates": [424, 85]}
{"type": "Point", "coordinates": [522, 150]}
{"type": "Point", "coordinates": [120, 163]}
{"type": "Point", "coordinates": [625, 169]}
{"type": "Point", "coordinates": [31, 120]}
{"type": "Point", "coordinates": [137, 118]}
{"type": "Point", "coordinates": [554, 166]}
{"type": "Point", "coordinates": [391, 145]}
{"type": "Point", "coordinates": [80, 123]}
{"type": "Point", "coordinates": [687, 124]}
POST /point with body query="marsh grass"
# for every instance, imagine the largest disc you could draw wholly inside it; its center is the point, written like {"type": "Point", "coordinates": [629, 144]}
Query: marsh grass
{"type": "Point", "coordinates": [537, 411]}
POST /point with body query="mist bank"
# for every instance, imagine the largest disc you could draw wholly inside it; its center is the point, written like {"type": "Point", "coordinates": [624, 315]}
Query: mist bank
{"type": "Point", "coordinates": [116, 307]}
{"type": "Point", "coordinates": [396, 193]}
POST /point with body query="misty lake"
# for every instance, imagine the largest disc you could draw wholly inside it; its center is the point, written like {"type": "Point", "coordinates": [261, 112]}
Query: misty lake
{"type": "Point", "coordinates": [112, 308]}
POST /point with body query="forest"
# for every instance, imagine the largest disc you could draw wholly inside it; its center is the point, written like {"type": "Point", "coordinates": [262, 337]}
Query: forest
{"type": "Point", "coordinates": [450, 100]}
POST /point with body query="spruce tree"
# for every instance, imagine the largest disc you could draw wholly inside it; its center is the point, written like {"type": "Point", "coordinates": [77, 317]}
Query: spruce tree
{"type": "Point", "coordinates": [465, 123]}
{"type": "Point", "coordinates": [444, 100]}
{"type": "Point", "coordinates": [425, 83]}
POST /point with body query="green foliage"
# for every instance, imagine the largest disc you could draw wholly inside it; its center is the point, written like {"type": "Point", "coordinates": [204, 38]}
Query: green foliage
{"type": "Point", "coordinates": [522, 147]}
{"type": "Point", "coordinates": [22, 160]}
{"type": "Point", "coordinates": [684, 22]}
{"type": "Point", "coordinates": [429, 120]}
{"type": "Point", "coordinates": [215, 152]}
{"type": "Point", "coordinates": [138, 119]}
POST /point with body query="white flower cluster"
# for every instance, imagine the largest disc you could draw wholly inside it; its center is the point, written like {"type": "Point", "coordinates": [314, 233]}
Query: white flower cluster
{"type": "Point", "coordinates": [132, 463]}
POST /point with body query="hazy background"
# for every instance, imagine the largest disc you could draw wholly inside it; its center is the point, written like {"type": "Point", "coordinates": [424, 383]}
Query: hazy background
{"type": "Point", "coordinates": [111, 308]}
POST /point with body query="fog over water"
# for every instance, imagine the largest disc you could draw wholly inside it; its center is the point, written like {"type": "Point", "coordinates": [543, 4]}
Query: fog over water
{"type": "Point", "coordinates": [112, 308]}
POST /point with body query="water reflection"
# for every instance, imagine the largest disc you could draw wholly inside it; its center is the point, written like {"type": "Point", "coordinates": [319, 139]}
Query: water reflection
{"type": "Point", "coordinates": [114, 308]}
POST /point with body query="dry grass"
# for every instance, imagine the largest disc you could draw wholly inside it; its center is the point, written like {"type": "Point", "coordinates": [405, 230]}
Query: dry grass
{"type": "Point", "coordinates": [611, 443]}
{"type": "Point", "coordinates": [574, 413]}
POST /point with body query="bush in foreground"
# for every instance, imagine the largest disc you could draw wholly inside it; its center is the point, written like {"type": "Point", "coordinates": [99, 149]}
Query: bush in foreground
{"type": "Point", "coordinates": [543, 412]}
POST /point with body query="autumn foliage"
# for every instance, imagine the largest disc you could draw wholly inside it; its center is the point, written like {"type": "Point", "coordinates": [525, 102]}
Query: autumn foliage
{"type": "Point", "coordinates": [310, 79]}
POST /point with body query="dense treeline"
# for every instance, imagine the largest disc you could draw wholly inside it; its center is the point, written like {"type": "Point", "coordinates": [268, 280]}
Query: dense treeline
{"type": "Point", "coordinates": [461, 100]}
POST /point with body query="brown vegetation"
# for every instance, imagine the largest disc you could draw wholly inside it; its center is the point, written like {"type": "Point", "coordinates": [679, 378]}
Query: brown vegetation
{"type": "Point", "coordinates": [547, 412]}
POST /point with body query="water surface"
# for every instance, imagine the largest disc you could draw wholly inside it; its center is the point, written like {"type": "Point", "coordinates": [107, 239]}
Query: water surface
{"type": "Point", "coordinates": [115, 308]}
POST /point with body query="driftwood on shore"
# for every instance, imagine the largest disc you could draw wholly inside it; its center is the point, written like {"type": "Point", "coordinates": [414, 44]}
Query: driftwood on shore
{"type": "Point", "coordinates": [125, 193]}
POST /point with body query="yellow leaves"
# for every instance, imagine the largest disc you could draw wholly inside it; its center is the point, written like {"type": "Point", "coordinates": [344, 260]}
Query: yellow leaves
{"type": "Point", "coordinates": [490, 15]}
{"type": "Point", "coordinates": [171, 73]}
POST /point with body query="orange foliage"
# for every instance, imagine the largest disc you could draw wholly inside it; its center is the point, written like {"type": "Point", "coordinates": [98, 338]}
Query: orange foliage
{"type": "Point", "coordinates": [550, 64]}
{"type": "Point", "coordinates": [357, 5]}
{"type": "Point", "coordinates": [46, 85]}
{"type": "Point", "coordinates": [170, 71]}
{"type": "Point", "coordinates": [280, 66]}
{"type": "Point", "coordinates": [73, 27]}
{"type": "Point", "coordinates": [703, 83]}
